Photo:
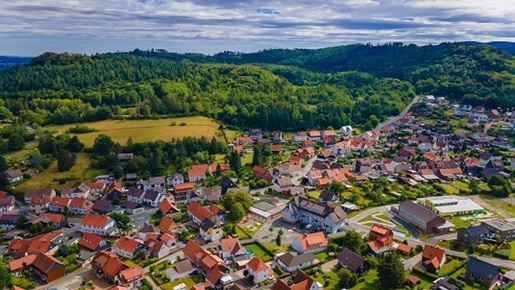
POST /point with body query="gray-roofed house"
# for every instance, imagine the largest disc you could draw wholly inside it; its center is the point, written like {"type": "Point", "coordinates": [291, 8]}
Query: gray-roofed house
{"type": "Point", "coordinates": [265, 211]}
{"type": "Point", "coordinates": [210, 231]}
{"type": "Point", "coordinates": [213, 193]}
{"type": "Point", "coordinates": [320, 215]}
{"type": "Point", "coordinates": [482, 272]}
{"type": "Point", "coordinates": [498, 229]}
{"type": "Point", "coordinates": [352, 261]}
{"type": "Point", "coordinates": [292, 262]}
{"type": "Point", "coordinates": [132, 207]}
{"type": "Point", "coordinates": [155, 182]}
{"type": "Point", "coordinates": [473, 235]}
{"type": "Point", "coordinates": [152, 197]}
{"type": "Point", "coordinates": [444, 283]}
{"type": "Point", "coordinates": [174, 179]}
{"type": "Point", "coordinates": [102, 206]}
{"type": "Point", "coordinates": [327, 196]}
{"type": "Point", "coordinates": [421, 217]}
{"type": "Point", "coordinates": [135, 194]}
{"type": "Point", "coordinates": [283, 184]}
{"type": "Point", "coordinates": [180, 270]}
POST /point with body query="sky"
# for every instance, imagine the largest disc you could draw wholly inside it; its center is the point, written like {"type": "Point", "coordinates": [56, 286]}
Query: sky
{"type": "Point", "coordinates": [31, 27]}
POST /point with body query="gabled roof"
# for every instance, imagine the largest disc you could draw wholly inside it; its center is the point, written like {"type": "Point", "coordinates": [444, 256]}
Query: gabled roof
{"type": "Point", "coordinates": [312, 241]}
{"type": "Point", "coordinates": [257, 265]}
{"type": "Point", "coordinates": [59, 201]}
{"type": "Point", "coordinates": [109, 263]}
{"type": "Point", "coordinates": [481, 268]}
{"type": "Point", "coordinates": [52, 217]}
{"type": "Point", "coordinates": [131, 274]}
{"type": "Point", "coordinates": [90, 241]}
{"type": "Point", "coordinates": [199, 212]}
{"type": "Point", "coordinates": [419, 211]}
{"type": "Point", "coordinates": [102, 206]}
{"type": "Point", "coordinates": [94, 220]}
{"type": "Point", "coordinates": [78, 202]}
{"type": "Point", "coordinates": [127, 244]}
{"type": "Point", "coordinates": [431, 252]}
{"type": "Point", "coordinates": [231, 244]}
{"type": "Point", "coordinates": [207, 224]}
{"type": "Point", "coordinates": [46, 263]}
{"type": "Point", "coordinates": [167, 224]}
{"type": "Point", "coordinates": [326, 195]}
{"type": "Point", "coordinates": [115, 186]}
{"type": "Point", "coordinates": [167, 205]}
{"type": "Point", "coordinates": [21, 263]}
{"type": "Point", "coordinates": [350, 259]}
{"type": "Point", "coordinates": [151, 194]}
{"type": "Point", "coordinates": [135, 192]}
{"type": "Point", "coordinates": [292, 260]}
{"type": "Point", "coordinates": [184, 266]}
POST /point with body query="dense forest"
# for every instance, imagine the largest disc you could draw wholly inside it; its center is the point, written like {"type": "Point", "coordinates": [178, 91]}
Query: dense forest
{"type": "Point", "coordinates": [272, 89]}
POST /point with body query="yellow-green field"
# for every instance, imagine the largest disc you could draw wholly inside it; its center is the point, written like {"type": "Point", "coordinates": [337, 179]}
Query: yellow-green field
{"type": "Point", "coordinates": [147, 130]}
{"type": "Point", "coordinates": [80, 172]}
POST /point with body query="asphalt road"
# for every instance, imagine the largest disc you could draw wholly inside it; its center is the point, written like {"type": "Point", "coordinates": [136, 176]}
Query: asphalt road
{"type": "Point", "coordinates": [398, 117]}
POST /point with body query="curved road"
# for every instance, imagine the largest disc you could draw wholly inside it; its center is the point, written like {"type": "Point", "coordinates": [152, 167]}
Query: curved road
{"type": "Point", "coordinates": [400, 116]}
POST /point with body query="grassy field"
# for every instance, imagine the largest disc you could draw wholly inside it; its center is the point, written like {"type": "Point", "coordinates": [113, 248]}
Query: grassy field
{"type": "Point", "coordinates": [147, 130]}
{"type": "Point", "coordinates": [459, 223]}
{"type": "Point", "coordinates": [499, 203]}
{"type": "Point", "coordinates": [259, 251]}
{"type": "Point", "coordinates": [23, 154]}
{"type": "Point", "coordinates": [78, 173]}
{"type": "Point", "coordinates": [371, 282]}
{"type": "Point", "coordinates": [449, 189]}
{"type": "Point", "coordinates": [314, 194]}
{"type": "Point", "coordinates": [189, 281]}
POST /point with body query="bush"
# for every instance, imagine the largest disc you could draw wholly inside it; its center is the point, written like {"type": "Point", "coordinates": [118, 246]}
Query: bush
{"type": "Point", "coordinates": [80, 129]}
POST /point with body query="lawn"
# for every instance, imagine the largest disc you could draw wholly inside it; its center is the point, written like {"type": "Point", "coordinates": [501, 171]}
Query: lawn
{"type": "Point", "coordinates": [329, 277]}
{"type": "Point", "coordinates": [461, 185]}
{"type": "Point", "coordinates": [449, 189]}
{"type": "Point", "coordinates": [273, 248]}
{"type": "Point", "coordinates": [512, 250]}
{"type": "Point", "coordinates": [259, 251]}
{"type": "Point", "coordinates": [45, 179]}
{"type": "Point", "coordinates": [467, 286]}
{"type": "Point", "coordinates": [246, 159]}
{"type": "Point", "coordinates": [23, 154]}
{"type": "Point", "coordinates": [322, 256]}
{"type": "Point", "coordinates": [242, 235]}
{"type": "Point", "coordinates": [499, 203]}
{"type": "Point", "coordinates": [146, 130]}
{"type": "Point", "coordinates": [189, 281]}
{"type": "Point", "coordinates": [449, 266]}
{"type": "Point", "coordinates": [371, 282]}
{"type": "Point", "coordinates": [314, 194]}
{"type": "Point", "coordinates": [459, 223]}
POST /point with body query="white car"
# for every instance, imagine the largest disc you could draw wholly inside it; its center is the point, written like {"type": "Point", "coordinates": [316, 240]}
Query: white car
{"type": "Point", "coordinates": [229, 261]}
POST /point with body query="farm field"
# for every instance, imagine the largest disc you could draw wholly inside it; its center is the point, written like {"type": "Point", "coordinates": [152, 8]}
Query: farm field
{"type": "Point", "coordinates": [78, 173]}
{"type": "Point", "coordinates": [147, 130]}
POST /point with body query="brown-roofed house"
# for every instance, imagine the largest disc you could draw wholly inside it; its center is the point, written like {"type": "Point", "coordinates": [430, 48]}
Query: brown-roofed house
{"type": "Point", "coordinates": [380, 238]}
{"type": "Point", "coordinates": [433, 258]}
{"type": "Point", "coordinates": [310, 243]}
{"type": "Point", "coordinates": [259, 270]}
{"type": "Point", "coordinates": [261, 173]}
{"type": "Point", "coordinates": [352, 261]}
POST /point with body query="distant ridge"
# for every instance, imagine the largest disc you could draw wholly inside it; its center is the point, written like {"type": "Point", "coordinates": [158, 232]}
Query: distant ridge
{"type": "Point", "coordinates": [504, 45]}
{"type": "Point", "coordinates": [9, 61]}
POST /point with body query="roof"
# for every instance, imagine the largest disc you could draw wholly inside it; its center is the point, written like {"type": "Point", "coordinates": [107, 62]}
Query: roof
{"type": "Point", "coordinates": [151, 194]}
{"type": "Point", "coordinates": [46, 263]}
{"type": "Point", "coordinates": [59, 201]}
{"type": "Point", "coordinates": [198, 170]}
{"type": "Point", "coordinates": [19, 264]}
{"type": "Point", "coordinates": [404, 248]}
{"type": "Point", "coordinates": [78, 202]}
{"type": "Point", "coordinates": [167, 205]}
{"type": "Point", "coordinates": [167, 224]}
{"type": "Point", "coordinates": [350, 259]}
{"type": "Point", "coordinates": [419, 211]}
{"type": "Point", "coordinates": [481, 268]}
{"type": "Point", "coordinates": [431, 252]}
{"type": "Point", "coordinates": [230, 244]}
{"type": "Point", "coordinates": [135, 192]}
{"type": "Point", "coordinates": [499, 224]}
{"type": "Point", "coordinates": [96, 185]}
{"type": "Point", "coordinates": [14, 173]}
{"type": "Point", "coordinates": [312, 241]}
{"type": "Point", "coordinates": [108, 262]}
{"type": "Point", "coordinates": [102, 206]}
{"type": "Point", "coordinates": [199, 212]}
{"type": "Point", "coordinates": [95, 220]}
{"type": "Point", "coordinates": [53, 217]}
{"type": "Point", "coordinates": [183, 266]}
{"type": "Point", "coordinates": [115, 186]}
{"type": "Point", "coordinates": [292, 260]}
{"type": "Point", "coordinates": [130, 204]}
{"type": "Point", "coordinates": [90, 241]}
{"type": "Point", "coordinates": [452, 203]}
{"type": "Point", "coordinates": [40, 199]}
{"type": "Point", "coordinates": [127, 244]}
{"type": "Point", "coordinates": [131, 274]}
{"type": "Point", "coordinates": [326, 195]}
{"type": "Point", "coordinates": [257, 265]}
{"type": "Point", "coordinates": [207, 224]}
{"type": "Point", "coordinates": [474, 230]}
{"type": "Point", "coordinates": [184, 186]}
{"type": "Point", "coordinates": [380, 229]}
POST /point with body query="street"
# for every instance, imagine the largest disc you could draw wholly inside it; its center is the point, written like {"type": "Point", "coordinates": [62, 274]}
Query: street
{"type": "Point", "coordinates": [398, 117]}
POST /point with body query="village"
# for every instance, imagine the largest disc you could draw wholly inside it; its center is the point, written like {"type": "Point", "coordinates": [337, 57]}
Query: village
{"type": "Point", "coordinates": [432, 185]}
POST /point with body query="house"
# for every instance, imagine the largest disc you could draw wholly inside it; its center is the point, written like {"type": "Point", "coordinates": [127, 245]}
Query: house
{"type": "Point", "coordinates": [210, 265]}
{"type": "Point", "coordinates": [148, 230]}
{"type": "Point", "coordinates": [420, 217]}
{"type": "Point", "coordinates": [168, 239]}
{"type": "Point", "coordinates": [8, 221]}
{"type": "Point", "coordinates": [345, 131]}
{"type": "Point", "coordinates": [167, 206]}
{"type": "Point", "coordinates": [130, 278]}
{"type": "Point", "coordinates": [101, 225]}
{"type": "Point", "coordinates": [433, 258]}
{"type": "Point", "coordinates": [38, 192]}
{"type": "Point", "coordinates": [210, 231]}
{"type": "Point", "coordinates": [292, 262]}
{"type": "Point", "coordinates": [180, 270]}
{"type": "Point", "coordinates": [96, 187]}
{"type": "Point", "coordinates": [80, 205]}
{"type": "Point", "coordinates": [105, 178]}
{"type": "Point", "coordinates": [197, 172]}
{"type": "Point", "coordinates": [300, 137]}
{"type": "Point", "coordinates": [429, 99]}
{"type": "Point", "coordinates": [17, 266]}
{"type": "Point", "coordinates": [444, 283]}
{"type": "Point", "coordinates": [56, 220]}
{"type": "Point", "coordinates": [131, 207]}
{"type": "Point", "coordinates": [42, 243]}
{"type": "Point", "coordinates": [39, 203]}
{"type": "Point", "coordinates": [259, 270]}
{"type": "Point", "coordinates": [45, 267]}
{"type": "Point", "coordinates": [155, 182]}
{"type": "Point", "coordinates": [314, 176]}
{"type": "Point", "coordinates": [301, 281]}
{"type": "Point", "coordinates": [198, 213]}
{"type": "Point", "coordinates": [283, 185]}
{"type": "Point", "coordinates": [327, 196]}
{"type": "Point", "coordinates": [321, 216]}
{"type": "Point", "coordinates": [472, 235]}
{"type": "Point", "coordinates": [277, 136]}
{"type": "Point", "coordinates": [213, 193]}
{"type": "Point", "coordinates": [7, 204]}
{"type": "Point", "coordinates": [256, 134]}
{"type": "Point", "coordinates": [482, 272]}
{"type": "Point", "coordinates": [35, 161]}
{"type": "Point", "coordinates": [114, 190]}
{"type": "Point", "coordinates": [499, 229]}
{"type": "Point", "coordinates": [307, 144]}
{"type": "Point", "coordinates": [315, 135]}
{"type": "Point", "coordinates": [127, 247]}
{"type": "Point", "coordinates": [310, 243]}
{"type": "Point", "coordinates": [107, 266]}
{"type": "Point", "coordinates": [180, 191]}
{"type": "Point", "coordinates": [174, 179]}
{"type": "Point", "coordinates": [261, 173]}
{"type": "Point", "coordinates": [380, 238]}
{"type": "Point", "coordinates": [167, 225]}
{"type": "Point", "coordinates": [82, 190]}
{"type": "Point", "coordinates": [351, 261]}
{"type": "Point", "coordinates": [265, 211]}
{"type": "Point", "coordinates": [135, 194]}
{"type": "Point", "coordinates": [152, 197]}
{"type": "Point", "coordinates": [230, 248]}
{"type": "Point", "coordinates": [363, 165]}
{"type": "Point", "coordinates": [14, 175]}
{"type": "Point", "coordinates": [154, 249]}
{"type": "Point", "coordinates": [93, 242]}
{"type": "Point", "coordinates": [102, 206]}
{"type": "Point", "coordinates": [122, 157]}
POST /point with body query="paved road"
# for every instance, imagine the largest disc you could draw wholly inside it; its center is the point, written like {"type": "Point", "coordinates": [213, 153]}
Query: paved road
{"type": "Point", "coordinates": [400, 116]}
{"type": "Point", "coordinates": [138, 220]}
{"type": "Point", "coordinates": [307, 168]}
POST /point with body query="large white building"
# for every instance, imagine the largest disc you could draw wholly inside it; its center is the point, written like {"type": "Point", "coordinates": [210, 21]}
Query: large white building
{"type": "Point", "coordinates": [320, 216]}
{"type": "Point", "coordinates": [451, 205]}
{"type": "Point", "coordinates": [101, 225]}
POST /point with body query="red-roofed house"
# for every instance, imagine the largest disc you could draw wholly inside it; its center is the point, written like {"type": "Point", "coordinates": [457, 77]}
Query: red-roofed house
{"type": "Point", "coordinates": [58, 204]}
{"type": "Point", "coordinates": [130, 278]}
{"type": "Point", "coordinates": [380, 238]}
{"type": "Point", "coordinates": [82, 190]}
{"type": "Point", "coordinates": [260, 271]}
{"type": "Point", "coordinates": [198, 213]}
{"type": "Point", "coordinates": [101, 225]}
{"type": "Point", "coordinates": [433, 258]}
{"type": "Point", "coordinates": [92, 242]}
{"type": "Point", "coordinates": [39, 203]}
{"type": "Point", "coordinates": [107, 266]}
{"type": "Point", "coordinates": [261, 173]}
{"type": "Point", "coordinates": [212, 266]}
{"type": "Point", "coordinates": [127, 247]}
{"type": "Point", "coordinates": [197, 172]}
{"type": "Point", "coordinates": [96, 187]}
{"type": "Point", "coordinates": [56, 220]}
{"type": "Point", "coordinates": [166, 206]}
{"type": "Point", "coordinates": [43, 266]}
{"type": "Point", "coordinates": [310, 243]}
{"type": "Point", "coordinates": [114, 190]}
{"type": "Point", "coordinates": [300, 137]}
{"type": "Point", "coordinates": [230, 247]}
{"type": "Point", "coordinates": [80, 205]}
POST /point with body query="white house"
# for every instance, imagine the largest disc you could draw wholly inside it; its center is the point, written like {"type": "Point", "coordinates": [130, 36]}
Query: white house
{"type": "Point", "coordinates": [345, 131]}
{"type": "Point", "coordinates": [300, 137]}
{"type": "Point", "coordinates": [230, 247]}
{"type": "Point", "coordinates": [14, 175]}
{"type": "Point", "coordinates": [210, 231]}
{"type": "Point", "coordinates": [174, 179]}
{"type": "Point", "coordinates": [152, 198]}
{"type": "Point", "coordinates": [310, 243]}
{"type": "Point", "coordinates": [292, 262]}
{"type": "Point", "coordinates": [135, 194]}
{"type": "Point", "coordinates": [180, 270]}
{"type": "Point", "coordinates": [82, 191]}
{"type": "Point", "coordinates": [127, 247]}
{"type": "Point", "coordinates": [259, 270]}
{"type": "Point", "coordinates": [6, 204]}
{"type": "Point", "coordinates": [319, 215]}
{"type": "Point", "coordinates": [429, 99]}
{"type": "Point", "coordinates": [101, 225]}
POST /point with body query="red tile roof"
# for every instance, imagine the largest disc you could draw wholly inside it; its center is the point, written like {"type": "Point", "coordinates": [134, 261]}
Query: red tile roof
{"type": "Point", "coordinates": [166, 205]}
{"type": "Point", "coordinates": [21, 263]}
{"type": "Point", "coordinates": [94, 220]}
{"type": "Point", "coordinates": [60, 201]}
{"type": "Point", "coordinates": [184, 187]}
{"type": "Point", "coordinates": [90, 241]}
{"type": "Point", "coordinates": [199, 212]}
{"type": "Point", "coordinates": [257, 265]}
{"type": "Point", "coordinates": [312, 240]}
{"type": "Point", "coordinates": [127, 244]}
{"type": "Point", "coordinates": [53, 217]}
{"type": "Point", "coordinates": [198, 170]}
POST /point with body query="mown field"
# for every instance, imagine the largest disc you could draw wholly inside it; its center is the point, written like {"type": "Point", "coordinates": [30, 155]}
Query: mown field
{"type": "Point", "coordinates": [147, 130]}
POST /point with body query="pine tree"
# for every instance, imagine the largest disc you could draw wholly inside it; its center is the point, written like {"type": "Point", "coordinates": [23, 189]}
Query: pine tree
{"type": "Point", "coordinates": [64, 160]}
{"type": "Point", "coordinates": [3, 164]}
{"type": "Point", "coordinates": [257, 158]}
{"type": "Point", "coordinates": [235, 162]}
{"type": "Point", "coordinates": [74, 145]}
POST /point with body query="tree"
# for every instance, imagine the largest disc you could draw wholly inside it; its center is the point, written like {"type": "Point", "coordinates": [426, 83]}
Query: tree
{"type": "Point", "coordinates": [21, 221]}
{"type": "Point", "coordinates": [5, 276]}
{"type": "Point", "coordinates": [354, 242]}
{"type": "Point", "coordinates": [336, 187]}
{"type": "Point", "coordinates": [74, 145]}
{"type": "Point", "coordinates": [64, 160]}
{"type": "Point", "coordinates": [239, 197]}
{"type": "Point", "coordinates": [103, 145]}
{"type": "Point", "coordinates": [3, 164]}
{"type": "Point", "coordinates": [5, 113]}
{"type": "Point", "coordinates": [218, 170]}
{"type": "Point", "coordinates": [237, 212]}
{"type": "Point", "coordinates": [473, 186]}
{"type": "Point", "coordinates": [390, 271]}
{"type": "Point", "coordinates": [278, 240]}
{"type": "Point", "coordinates": [66, 211]}
{"type": "Point", "coordinates": [235, 162]}
{"type": "Point", "coordinates": [257, 157]}
{"type": "Point", "coordinates": [16, 143]}
{"type": "Point", "coordinates": [499, 186]}
{"type": "Point", "coordinates": [63, 250]}
{"type": "Point", "coordinates": [345, 277]}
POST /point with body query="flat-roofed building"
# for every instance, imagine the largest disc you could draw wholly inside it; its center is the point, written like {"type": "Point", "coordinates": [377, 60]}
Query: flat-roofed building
{"type": "Point", "coordinates": [499, 229]}
{"type": "Point", "coordinates": [448, 205]}
{"type": "Point", "coordinates": [266, 212]}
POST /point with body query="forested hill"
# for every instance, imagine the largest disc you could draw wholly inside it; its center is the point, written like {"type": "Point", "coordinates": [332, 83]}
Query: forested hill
{"type": "Point", "coordinates": [66, 88]}
{"type": "Point", "coordinates": [478, 74]}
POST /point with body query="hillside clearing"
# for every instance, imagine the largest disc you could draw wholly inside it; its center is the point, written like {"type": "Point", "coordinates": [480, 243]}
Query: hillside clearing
{"type": "Point", "coordinates": [147, 130]}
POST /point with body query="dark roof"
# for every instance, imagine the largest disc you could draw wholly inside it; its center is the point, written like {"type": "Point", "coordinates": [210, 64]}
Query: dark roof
{"type": "Point", "coordinates": [350, 259]}
{"type": "Point", "coordinates": [316, 208]}
{"type": "Point", "coordinates": [151, 194]}
{"type": "Point", "coordinates": [327, 195]}
{"type": "Point", "coordinates": [291, 260]}
{"type": "Point", "coordinates": [35, 160]}
{"type": "Point", "coordinates": [475, 230]}
{"type": "Point", "coordinates": [481, 268]}
{"type": "Point", "coordinates": [226, 183]}
{"type": "Point", "coordinates": [134, 191]}
{"type": "Point", "coordinates": [444, 283]}
{"type": "Point", "coordinates": [207, 224]}
{"type": "Point", "coordinates": [102, 206]}
{"type": "Point", "coordinates": [419, 211]}
{"type": "Point", "coordinates": [130, 205]}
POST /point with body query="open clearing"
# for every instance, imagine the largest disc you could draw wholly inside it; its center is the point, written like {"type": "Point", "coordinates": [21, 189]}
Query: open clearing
{"type": "Point", "coordinates": [147, 130]}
